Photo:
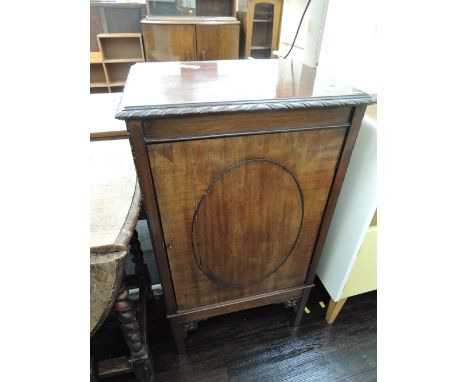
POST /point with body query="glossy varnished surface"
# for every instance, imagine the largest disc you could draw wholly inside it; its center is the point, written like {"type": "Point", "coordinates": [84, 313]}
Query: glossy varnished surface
{"type": "Point", "coordinates": [238, 242]}
{"type": "Point", "coordinates": [217, 42]}
{"type": "Point", "coordinates": [199, 126]}
{"type": "Point", "coordinates": [166, 42]}
{"type": "Point", "coordinates": [190, 38]}
{"type": "Point", "coordinates": [153, 88]}
{"type": "Point", "coordinates": [240, 234]}
{"type": "Point", "coordinates": [189, 124]}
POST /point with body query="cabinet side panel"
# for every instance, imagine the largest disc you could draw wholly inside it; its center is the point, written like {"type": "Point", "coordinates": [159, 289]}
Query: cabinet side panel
{"type": "Point", "coordinates": [150, 203]}
{"type": "Point", "coordinates": [186, 173]}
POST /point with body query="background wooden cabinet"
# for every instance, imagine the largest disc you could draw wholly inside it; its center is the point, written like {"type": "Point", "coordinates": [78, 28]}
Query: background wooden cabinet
{"type": "Point", "coordinates": [191, 39]}
{"type": "Point", "coordinates": [261, 24]}
{"type": "Point", "coordinates": [169, 42]}
{"type": "Point", "coordinates": [217, 42]}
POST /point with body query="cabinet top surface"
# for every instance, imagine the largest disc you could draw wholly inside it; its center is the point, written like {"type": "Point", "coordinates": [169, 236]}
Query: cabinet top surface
{"type": "Point", "coordinates": [114, 195]}
{"type": "Point", "coordinates": [200, 87]}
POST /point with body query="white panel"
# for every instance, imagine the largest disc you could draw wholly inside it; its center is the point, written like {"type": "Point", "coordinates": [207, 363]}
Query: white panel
{"type": "Point", "coordinates": [309, 38]}
{"type": "Point", "coordinates": [349, 44]}
{"type": "Point", "coordinates": [353, 213]}
{"type": "Point", "coordinates": [315, 29]}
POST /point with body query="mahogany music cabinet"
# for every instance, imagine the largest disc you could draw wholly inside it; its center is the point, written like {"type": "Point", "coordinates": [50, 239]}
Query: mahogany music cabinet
{"type": "Point", "coordinates": [240, 165]}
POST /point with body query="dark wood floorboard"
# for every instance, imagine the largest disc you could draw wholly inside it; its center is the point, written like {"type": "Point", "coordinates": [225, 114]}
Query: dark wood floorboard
{"type": "Point", "coordinates": [260, 345]}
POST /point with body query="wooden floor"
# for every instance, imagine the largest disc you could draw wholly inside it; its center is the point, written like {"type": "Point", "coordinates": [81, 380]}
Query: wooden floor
{"type": "Point", "coordinates": [260, 345]}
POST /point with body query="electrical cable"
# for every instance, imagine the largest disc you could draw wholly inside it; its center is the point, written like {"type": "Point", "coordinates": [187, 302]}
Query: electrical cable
{"type": "Point", "coordinates": [298, 28]}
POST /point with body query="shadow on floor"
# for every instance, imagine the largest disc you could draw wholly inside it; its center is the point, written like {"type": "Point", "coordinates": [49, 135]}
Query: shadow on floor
{"type": "Point", "coordinates": [260, 345]}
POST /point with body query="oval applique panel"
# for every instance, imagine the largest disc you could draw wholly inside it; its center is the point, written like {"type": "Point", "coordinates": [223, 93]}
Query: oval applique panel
{"type": "Point", "coordinates": [247, 222]}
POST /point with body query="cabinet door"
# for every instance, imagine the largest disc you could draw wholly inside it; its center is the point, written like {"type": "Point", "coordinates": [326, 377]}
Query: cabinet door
{"type": "Point", "coordinates": [218, 42]}
{"type": "Point", "coordinates": [241, 214]}
{"type": "Point", "coordinates": [124, 19]}
{"type": "Point", "coordinates": [169, 42]}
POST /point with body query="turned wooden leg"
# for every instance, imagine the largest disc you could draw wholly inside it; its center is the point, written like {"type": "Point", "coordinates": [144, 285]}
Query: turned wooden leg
{"type": "Point", "coordinates": [333, 310]}
{"type": "Point", "coordinates": [300, 309]}
{"type": "Point", "coordinates": [144, 282]}
{"type": "Point", "coordinates": [139, 356]}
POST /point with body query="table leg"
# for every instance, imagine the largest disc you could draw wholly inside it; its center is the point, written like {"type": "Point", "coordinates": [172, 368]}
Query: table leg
{"type": "Point", "coordinates": [139, 356]}
{"type": "Point", "coordinates": [141, 268]}
{"type": "Point", "coordinates": [333, 310]}
{"type": "Point", "coordinates": [297, 319]}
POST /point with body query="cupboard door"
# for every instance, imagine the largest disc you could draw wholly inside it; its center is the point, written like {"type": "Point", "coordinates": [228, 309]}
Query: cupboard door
{"type": "Point", "coordinates": [218, 42]}
{"type": "Point", "coordinates": [169, 42]}
{"type": "Point", "coordinates": [240, 215]}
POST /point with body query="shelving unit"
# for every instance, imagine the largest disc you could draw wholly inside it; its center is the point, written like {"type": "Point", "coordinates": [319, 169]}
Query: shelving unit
{"type": "Point", "coordinates": [260, 27]}
{"type": "Point", "coordinates": [97, 75]}
{"type": "Point", "coordinates": [110, 66]}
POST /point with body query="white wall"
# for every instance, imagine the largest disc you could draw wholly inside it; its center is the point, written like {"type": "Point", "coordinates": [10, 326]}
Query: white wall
{"type": "Point", "coordinates": [292, 12]}
{"type": "Point", "coordinates": [349, 44]}
{"type": "Point", "coordinates": [341, 35]}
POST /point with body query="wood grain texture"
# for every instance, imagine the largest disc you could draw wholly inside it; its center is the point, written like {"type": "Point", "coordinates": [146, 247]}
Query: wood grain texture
{"type": "Point", "coordinates": [190, 38]}
{"type": "Point", "coordinates": [239, 304]}
{"type": "Point", "coordinates": [203, 126]}
{"type": "Point", "coordinates": [166, 42]}
{"type": "Point", "coordinates": [118, 46]}
{"type": "Point", "coordinates": [185, 164]}
{"type": "Point", "coordinates": [157, 89]}
{"type": "Point", "coordinates": [106, 272]}
{"type": "Point", "coordinates": [152, 211]}
{"type": "Point", "coordinates": [217, 42]}
{"type": "Point", "coordinates": [333, 310]}
{"type": "Point", "coordinates": [190, 167]}
{"type": "Point", "coordinates": [240, 234]}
